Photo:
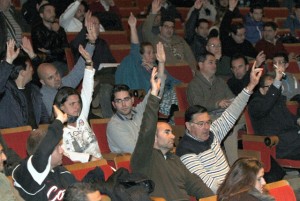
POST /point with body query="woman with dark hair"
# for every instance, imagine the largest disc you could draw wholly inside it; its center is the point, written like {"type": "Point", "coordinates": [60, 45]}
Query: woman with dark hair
{"type": "Point", "coordinates": [79, 140]}
{"type": "Point", "coordinates": [244, 181]}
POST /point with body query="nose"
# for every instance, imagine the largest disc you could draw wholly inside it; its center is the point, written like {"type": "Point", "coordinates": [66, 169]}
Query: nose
{"type": "Point", "coordinates": [263, 181]}
{"type": "Point", "coordinates": [172, 136]}
{"type": "Point", "coordinates": [61, 150]}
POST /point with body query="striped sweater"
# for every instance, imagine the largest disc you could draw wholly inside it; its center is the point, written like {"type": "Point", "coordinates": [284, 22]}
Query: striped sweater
{"type": "Point", "coordinates": [206, 159]}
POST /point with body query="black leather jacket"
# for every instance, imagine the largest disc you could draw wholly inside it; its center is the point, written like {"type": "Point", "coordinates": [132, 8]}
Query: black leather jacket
{"type": "Point", "coordinates": [54, 42]}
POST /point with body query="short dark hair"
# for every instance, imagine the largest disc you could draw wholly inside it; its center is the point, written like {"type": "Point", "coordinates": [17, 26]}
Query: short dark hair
{"type": "Point", "coordinates": [78, 191]}
{"type": "Point", "coordinates": [19, 64]}
{"type": "Point", "coordinates": [201, 20]}
{"type": "Point", "coordinates": [264, 78]}
{"type": "Point", "coordinates": [273, 25]}
{"type": "Point", "coordinates": [63, 94]}
{"type": "Point", "coordinates": [282, 54]}
{"type": "Point", "coordinates": [85, 5]}
{"type": "Point", "coordinates": [235, 27]}
{"type": "Point", "coordinates": [143, 45]}
{"type": "Point", "coordinates": [238, 56]}
{"type": "Point", "coordinates": [194, 109]}
{"type": "Point", "coordinates": [34, 140]}
{"type": "Point", "coordinates": [118, 88]}
{"type": "Point", "coordinates": [167, 18]}
{"type": "Point", "coordinates": [42, 8]}
{"type": "Point", "coordinates": [203, 57]}
{"type": "Point", "coordinates": [255, 6]}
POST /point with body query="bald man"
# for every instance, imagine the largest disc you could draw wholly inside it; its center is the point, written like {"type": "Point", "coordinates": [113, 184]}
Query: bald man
{"type": "Point", "coordinates": [52, 81]}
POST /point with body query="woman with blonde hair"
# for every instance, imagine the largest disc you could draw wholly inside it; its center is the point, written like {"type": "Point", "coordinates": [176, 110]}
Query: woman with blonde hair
{"type": "Point", "coordinates": [244, 181]}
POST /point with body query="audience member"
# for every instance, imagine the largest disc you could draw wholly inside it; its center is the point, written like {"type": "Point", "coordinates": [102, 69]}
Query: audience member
{"type": "Point", "coordinates": [155, 26]}
{"type": "Point", "coordinates": [135, 69]}
{"type": "Point", "coordinates": [221, 8]}
{"type": "Point", "coordinates": [52, 81]}
{"type": "Point", "coordinates": [270, 116]}
{"type": "Point", "coordinates": [169, 9]}
{"type": "Point", "coordinates": [82, 192]}
{"type": "Point", "coordinates": [269, 43]}
{"type": "Point", "coordinates": [104, 6]}
{"type": "Point", "coordinates": [266, 3]}
{"type": "Point", "coordinates": [233, 35]}
{"type": "Point", "coordinates": [123, 128]}
{"type": "Point", "coordinates": [207, 89]}
{"type": "Point", "coordinates": [200, 148]}
{"type": "Point", "coordinates": [19, 98]}
{"type": "Point", "coordinates": [290, 84]}
{"type": "Point", "coordinates": [60, 6]}
{"type": "Point", "coordinates": [49, 39]}
{"type": "Point", "coordinates": [196, 31]}
{"type": "Point", "coordinates": [41, 176]}
{"type": "Point", "coordinates": [30, 11]}
{"type": "Point", "coordinates": [152, 156]}
{"type": "Point", "coordinates": [293, 21]}
{"type": "Point", "coordinates": [244, 181]}
{"type": "Point", "coordinates": [206, 11]}
{"type": "Point", "coordinates": [177, 50]}
{"type": "Point", "coordinates": [241, 71]}
{"type": "Point", "coordinates": [12, 24]}
{"type": "Point", "coordinates": [79, 140]}
{"type": "Point", "coordinates": [72, 19]}
{"type": "Point", "coordinates": [214, 46]}
{"type": "Point", "coordinates": [254, 24]}
{"type": "Point", "coordinates": [104, 78]}
{"type": "Point", "coordinates": [7, 191]}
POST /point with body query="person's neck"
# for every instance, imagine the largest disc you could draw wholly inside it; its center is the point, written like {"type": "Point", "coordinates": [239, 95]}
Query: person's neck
{"type": "Point", "coordinates": [164, 38]}
{"type": "Point", "coordinates": [272, 41]}
{"type": "Point", "coordinates": [209, 78]}
{"type": "Point", "coordinates": [20, 83]}
{"type": "Point", "coordinates": [47, 24]}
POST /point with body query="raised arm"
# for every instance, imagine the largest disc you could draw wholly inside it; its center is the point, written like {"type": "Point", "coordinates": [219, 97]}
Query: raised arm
{"type": "Point", "coordinates": [190, 24]}
{"type": "Point", "coordinates": [133, 31]}
{"type": "Point", "coordinates": [69, 13]}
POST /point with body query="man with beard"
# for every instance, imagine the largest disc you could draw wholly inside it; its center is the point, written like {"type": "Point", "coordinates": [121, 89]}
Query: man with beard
{"type": "Point", "coordinates": [49, 39]}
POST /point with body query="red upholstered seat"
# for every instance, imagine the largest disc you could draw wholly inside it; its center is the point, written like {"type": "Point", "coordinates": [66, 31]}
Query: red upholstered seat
{"type": "Point", "coordinates": [180, 72]}
{"type": "Point", "coordinates": [180, 91]}
{"type": "Point", "coordinates": [123, 161]}
{"type": "Point", "coordinates": [281, 191]}
{"type": "Point", "coordinates": [16, 139]}
{"type": "Point", "coordinates": [99, 127]}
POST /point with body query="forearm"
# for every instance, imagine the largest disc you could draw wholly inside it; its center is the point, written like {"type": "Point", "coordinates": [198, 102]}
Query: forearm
{"type": "Point", "coordinates": [147, 28]}
{"type": "Point", "coordinates": [87, 91]}
{"type": "Point", "coordinates": [69, 14]}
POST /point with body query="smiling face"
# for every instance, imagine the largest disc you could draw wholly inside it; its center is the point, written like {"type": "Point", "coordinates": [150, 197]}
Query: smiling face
{"type": "Point", "coordinates": [195, 128]}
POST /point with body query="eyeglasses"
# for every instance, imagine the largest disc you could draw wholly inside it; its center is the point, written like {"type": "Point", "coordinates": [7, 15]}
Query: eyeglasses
{"type": "Point", "coordinates": [201, 124]}
{"type": "Point", "coordinates": [279, 62]}
{"type": "Point", "coordinates": [126, 99]}
{"type": "Point", "coordinates": [214, 46]}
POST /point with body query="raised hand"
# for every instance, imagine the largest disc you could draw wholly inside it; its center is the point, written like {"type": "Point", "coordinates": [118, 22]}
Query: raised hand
{"type": "Point", "coordinates": [11, 52]}
{"type": "Point", "coordinates": [260, 58]}
{"type": "Point", "coordinates": [156, 5]}
{"type": "Point", "coordinates": [60, 115]}
{"type": "Point", "coordinates": [132, 20]}
{"type": "Point", "coordinates": [92, 32]}
{"type": "Point", "coordinates": [198, 4]}
{"type": "Point", "coordinates": [87, 18]}
{"type": "Point", "coordinates": [155, 82]}
{"type": "Point", "coordinates": [27, 47]}
{"type": "Point", "coordinates": [254, 77]}
{"type": "Point", "coordinates": [232, 4]}
{"type": "Point", "coordinates": [160, 53]}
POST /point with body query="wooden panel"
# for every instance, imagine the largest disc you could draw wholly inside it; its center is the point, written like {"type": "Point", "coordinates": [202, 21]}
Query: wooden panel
{"type": "Point", "coordinates": [270, 12]}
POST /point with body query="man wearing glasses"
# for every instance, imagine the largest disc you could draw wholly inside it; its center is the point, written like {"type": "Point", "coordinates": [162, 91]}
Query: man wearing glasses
{"type": "Point", "coordinates": [200, 148]}
{"type": "Point", "coordinates": [270, 115]}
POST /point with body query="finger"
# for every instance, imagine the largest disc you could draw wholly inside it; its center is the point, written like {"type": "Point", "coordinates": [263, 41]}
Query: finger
{"type": "Point", "coordinates": [254, 65]}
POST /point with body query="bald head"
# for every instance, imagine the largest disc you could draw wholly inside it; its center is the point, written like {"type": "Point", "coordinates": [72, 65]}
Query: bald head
{"type": "Point", "coordinates": [49, 75]}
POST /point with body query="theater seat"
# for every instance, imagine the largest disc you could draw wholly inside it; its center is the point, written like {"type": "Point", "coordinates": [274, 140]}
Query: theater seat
{"type": "Point", "coordinates": [281, 191]}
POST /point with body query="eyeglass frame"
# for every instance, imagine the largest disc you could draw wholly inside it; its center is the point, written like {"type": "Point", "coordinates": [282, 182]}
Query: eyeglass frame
{"type": "Point", "coordinates": [126, 99]}
{"type": "Point", "coordinates": [202, 123]}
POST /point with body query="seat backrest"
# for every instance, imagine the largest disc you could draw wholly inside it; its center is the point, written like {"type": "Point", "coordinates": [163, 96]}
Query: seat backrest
{"type": "Point", "coordinates": [249, 126]}
{"type": "Point", "coordinates": [115, 37]}
{"type": "Point", "coordinates": [16, 139]}
{"type": "Point", "coordinates": [119, 51]}
{"type": "Point", "coordinates": [292, 106]}
{"type": "Point", "coordinates": [180, 91]}
{"type": "Point", "coordinates": [158, 199]}
{"type": "Point", "coordinates": [271, 12]}
{"type": "Point", "coordinates": [178, 131]}
{"type": "Point", "coordinates": [123, 160]}
{"type": "Point", "coordinates": [79, 170]}
{"type": "Point", "coordinates": [281, 191]}
{"type": "Point", "coordinates": [211, 198]}
{"type": "Point", "coordinates": [181, 72]}
{"type": "Point", "coordinates": [71, 36]}
{"type": "Point", "coordinates": [69, 58]}
{"type": "Point", "coordinates": [99, 127]}
{"type": "Point", "coordinates": [179, 118]}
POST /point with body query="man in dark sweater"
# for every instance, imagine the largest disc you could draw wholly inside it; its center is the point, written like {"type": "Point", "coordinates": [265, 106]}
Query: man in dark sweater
{"type": "Point", "coordinates": [152, 156]}
{"type": "Point", "coordinates": [40, 177]}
